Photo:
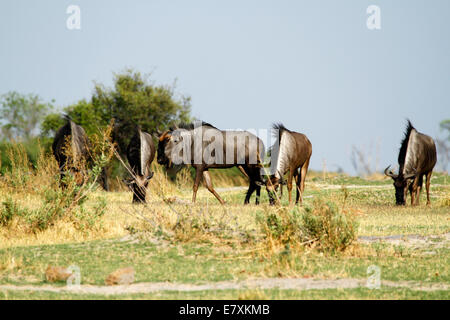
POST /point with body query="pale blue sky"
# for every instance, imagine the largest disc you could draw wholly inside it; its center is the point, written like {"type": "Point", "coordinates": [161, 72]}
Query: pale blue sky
{"type": "Point", "coordinates": [312, 65]}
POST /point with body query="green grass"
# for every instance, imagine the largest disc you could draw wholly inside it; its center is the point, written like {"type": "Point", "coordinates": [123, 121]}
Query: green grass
{"type": "Point", "coordinates": [212, 259]}
{"type": "Point", "coordinates": [199, 263]}
{"type": "Point", "coordinates": [333, 294]}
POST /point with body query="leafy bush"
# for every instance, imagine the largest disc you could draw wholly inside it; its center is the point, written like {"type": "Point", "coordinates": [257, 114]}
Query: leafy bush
{"type": "Point", "coordinates": [9, 210]}
{"type": "Point", "coordinates": [60, 205]}
{"type": "Point", "coordinates": [324, 225]}
{"type": "Point", "coordinates": [281, 226]}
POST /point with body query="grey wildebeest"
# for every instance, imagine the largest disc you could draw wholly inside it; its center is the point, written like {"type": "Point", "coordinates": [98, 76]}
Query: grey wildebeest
{"type": "Point", "coordinates": [291, 152]}
{"type": "Point", "coordinates": [417, 157]}
{"type": "Point", "coordinates": [71, 148]}
{"type": "Point", "coordinates": [140, 154]}
{"type": "Point", "coordinates": [205, 147]}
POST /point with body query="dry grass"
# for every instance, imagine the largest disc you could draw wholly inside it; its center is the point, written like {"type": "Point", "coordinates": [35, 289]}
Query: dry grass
{"type": "Point", "coordinates": [170, 214]}
{"type": "Point", "coordinates": [207, 220]}
{"type": "Point", "coordinates": [34, 206]}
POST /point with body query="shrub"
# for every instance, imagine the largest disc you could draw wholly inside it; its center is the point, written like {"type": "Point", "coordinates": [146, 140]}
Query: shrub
{"type": "Point", "coordinates": [58, 202]}
{"type": "Point", "coordinates": [280, 227]}
{"type": "Point", "coordinates": [9, 210]}
{"type": "Point", "coordinates": [324, 225]}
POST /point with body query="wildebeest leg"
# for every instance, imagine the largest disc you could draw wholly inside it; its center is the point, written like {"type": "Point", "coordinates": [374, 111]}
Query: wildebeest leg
{"type": "Point", "coordinates": [428, 176]}
{"type": "Point", "coordinates": [419, 189]}
{"type": "Point", "coordinates": [209, 186]}
{"type": "Point", "coordinates": [412, 193]}
{"type": "Point", "coordinates": [198, 178]}
{"type": "Point", "coordinates": [258, 194]}
{"type": "Point", "coordinates": [243, 172]}
{"type": "Point", "coordinates": [297, 185]}
{"type": "Point", "coordinates": [289, 184]}
{"type": "Point", "coordinates": [251, 189]}
{"type": "Point", "coordinates": [303, 172]}
{"type": "Point", "coordinates": [413, 190]}
{"type": "Point", "coordinates": [252, 176]}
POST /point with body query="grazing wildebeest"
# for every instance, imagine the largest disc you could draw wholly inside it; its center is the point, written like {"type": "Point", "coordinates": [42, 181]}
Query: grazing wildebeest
{"type": "Point", "coordinates": [140, 154]}
{"type": "Point", "coordinates": [417, 157]}
{"type": "Point", "coordinates": [70, 148]}
{"type": "Point", "coordinates": [205, 147]}
{"type": "Point", "coordinates": [291, 152]}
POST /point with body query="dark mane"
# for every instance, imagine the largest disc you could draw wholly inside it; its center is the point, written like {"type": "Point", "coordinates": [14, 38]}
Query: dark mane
{"type": "Point", "coordinates": [66, 117]}
{"type": "Point", "coordinates": [280, 127]}
{"type": "Point", "coordinates": [66, 129]}
{"type": "Point", "coordinates": [191, 126]}
{"type": "Point", "coordinates": [404, 145]}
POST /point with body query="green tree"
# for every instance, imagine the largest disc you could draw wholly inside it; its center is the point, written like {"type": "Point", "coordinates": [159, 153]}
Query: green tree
{"type": "Point", "coordinates": [133, 100]}
{"type": "Point", "coordinates": [136, 101]}
{"type": "Point", "coordinates": [83, 113]}
{"type": "Point", "coordinates": [21, 115]}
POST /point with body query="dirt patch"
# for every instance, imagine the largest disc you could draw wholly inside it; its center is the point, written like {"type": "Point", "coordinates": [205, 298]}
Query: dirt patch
{"type": "Point", "coordinates": [414, 241]}
{"type": "Point", "coordinates": [266, 283]}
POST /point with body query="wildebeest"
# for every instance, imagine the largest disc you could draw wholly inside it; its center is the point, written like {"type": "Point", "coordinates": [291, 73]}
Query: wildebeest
{"type": "Point", "coordinates": [291, 152]}
{"type": "Point", "coordinates": [205, 147]}
{"type": "Point", "coordinates": [417, 157]}
{"type": "Point", "coordinates": [71, 150]}
{"type": "Point", "coordinates": [140, 154]}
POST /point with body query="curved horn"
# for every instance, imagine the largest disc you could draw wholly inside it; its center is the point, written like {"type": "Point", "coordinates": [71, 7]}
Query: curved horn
{"type": "Point", "coordinates": [149, 176]}
{"type": "Point", "coordinates": [164, 135]}
{"type": "Point", "coordinates": [389, 173]}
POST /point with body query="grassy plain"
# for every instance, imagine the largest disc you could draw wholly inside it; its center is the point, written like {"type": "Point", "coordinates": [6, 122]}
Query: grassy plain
{"type": "Point", "coordinates": [170, 240]}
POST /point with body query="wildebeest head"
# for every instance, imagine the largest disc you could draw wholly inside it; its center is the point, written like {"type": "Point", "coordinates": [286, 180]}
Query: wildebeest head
{"type": "Point", "coordinates": [169, 150]}
{"type": "Point", "coordinates": [138, 185]}
{"type": "Point", "coordinates": [163, 144]}
{"type": "Point", "coordinates": [401, 184]}
{"type": "Point", "coordinates": [272, 183]}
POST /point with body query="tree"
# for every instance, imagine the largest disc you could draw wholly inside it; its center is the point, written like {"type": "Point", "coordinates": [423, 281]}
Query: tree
{"type": "Point", "coordinates": [21, 115]}
{"type": "Point", "coordinates": [132, 101]}
{"type": "Point", "coordinates": [83, 113]}
{"type": "Point", "coordinates": [135, 101]}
